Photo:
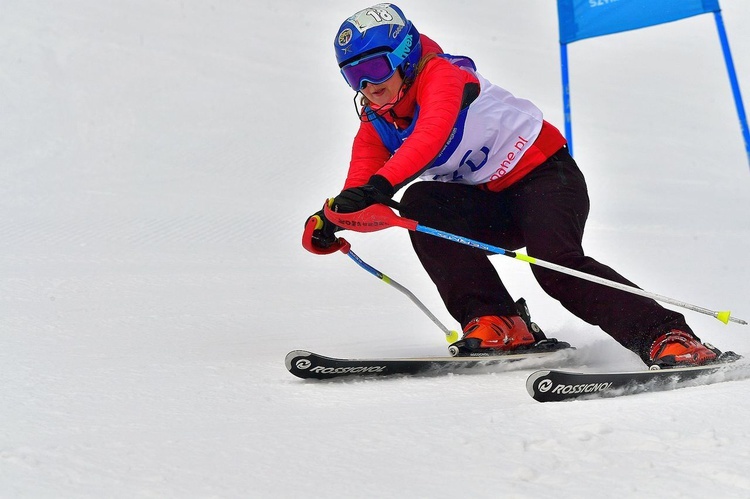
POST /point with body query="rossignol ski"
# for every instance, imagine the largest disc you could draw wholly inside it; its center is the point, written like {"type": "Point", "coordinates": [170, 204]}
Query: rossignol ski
{"type": "Point", "coordinates": [554, 385]}
{"type": "Point", "coordinates": [309, 365]}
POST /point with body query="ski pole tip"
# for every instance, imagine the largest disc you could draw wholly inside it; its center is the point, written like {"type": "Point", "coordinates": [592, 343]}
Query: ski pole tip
{"type": "Point", "coordinates": [452, 337]}
{"type": "Point", "coordinates": [723, 316]}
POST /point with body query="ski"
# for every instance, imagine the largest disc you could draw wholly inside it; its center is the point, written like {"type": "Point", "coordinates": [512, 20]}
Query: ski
{"type": "Point", "coordinates": [558, 385]}
{"type": "Point", "coordinates": [309, 365]}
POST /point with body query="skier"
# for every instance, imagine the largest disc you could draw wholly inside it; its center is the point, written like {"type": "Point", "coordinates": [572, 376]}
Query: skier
{"type": "Point", "coordinates": [494, 171]}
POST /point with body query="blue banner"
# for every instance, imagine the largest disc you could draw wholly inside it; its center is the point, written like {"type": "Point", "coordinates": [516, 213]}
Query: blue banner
{"type": "Point", "coordinates": [581, 19]}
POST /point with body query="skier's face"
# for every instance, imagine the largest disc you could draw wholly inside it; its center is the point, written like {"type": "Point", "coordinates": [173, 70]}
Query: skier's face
{"type": "Point", "coordinates": [384, 93]}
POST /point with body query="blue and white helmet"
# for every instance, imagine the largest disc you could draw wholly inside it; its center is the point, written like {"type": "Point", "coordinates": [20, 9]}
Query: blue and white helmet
{"type": "Point", "coordinates": [373, 43]}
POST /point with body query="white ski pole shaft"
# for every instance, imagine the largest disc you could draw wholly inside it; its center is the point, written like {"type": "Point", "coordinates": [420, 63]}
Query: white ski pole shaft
{"type": "Point", "coordinates": [378, 216]}
{"type": "Point", "coordinates": [724, 316]}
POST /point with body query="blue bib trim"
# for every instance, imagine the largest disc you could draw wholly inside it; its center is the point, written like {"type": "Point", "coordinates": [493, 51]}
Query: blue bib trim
{"type": "Point", "coordinates": [393, 138]}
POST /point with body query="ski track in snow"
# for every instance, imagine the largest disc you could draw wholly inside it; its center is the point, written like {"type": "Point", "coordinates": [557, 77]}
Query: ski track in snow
{"type": "Point", "coordinates": [159, 161]}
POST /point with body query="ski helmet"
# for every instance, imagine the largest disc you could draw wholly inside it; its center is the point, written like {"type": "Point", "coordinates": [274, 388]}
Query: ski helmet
{"type": "Point", "coordinates": [373, 43]}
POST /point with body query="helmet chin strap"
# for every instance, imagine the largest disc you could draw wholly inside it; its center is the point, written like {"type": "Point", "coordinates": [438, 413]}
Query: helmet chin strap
{"type": "Point", "coordinates": [389, 105]}
{"type": "Point", "coordinates": [381, 110]}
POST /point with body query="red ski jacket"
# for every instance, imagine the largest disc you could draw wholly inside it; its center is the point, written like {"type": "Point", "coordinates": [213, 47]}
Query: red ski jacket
{"type": "Point", "coordinates": [438, 92]}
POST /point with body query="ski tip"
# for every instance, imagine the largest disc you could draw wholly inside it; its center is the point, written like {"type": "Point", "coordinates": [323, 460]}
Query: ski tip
{"type": "Point", "coordinates": [534, 379]}
{"type": "Point", "coordinates": [294, 354]}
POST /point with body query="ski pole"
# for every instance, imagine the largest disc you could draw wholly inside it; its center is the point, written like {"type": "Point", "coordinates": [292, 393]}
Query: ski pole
{"type": "Point", "coordinates": [377, 217]}
{"type": "Point", "coordinates": [346, 248]}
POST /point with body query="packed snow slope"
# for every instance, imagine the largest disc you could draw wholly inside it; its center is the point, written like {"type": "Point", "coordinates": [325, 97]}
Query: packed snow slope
{"type": "Point", "coordinates": [159, 159]}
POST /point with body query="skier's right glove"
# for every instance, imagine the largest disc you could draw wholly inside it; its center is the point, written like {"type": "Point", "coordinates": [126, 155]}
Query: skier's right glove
{"type": "Point", "coordinates": [376, 190]}
{"type": "Point", "coordinates": [319, 236]}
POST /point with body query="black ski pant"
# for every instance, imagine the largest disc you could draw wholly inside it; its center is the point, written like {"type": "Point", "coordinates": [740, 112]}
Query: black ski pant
{"type": "Point", "coordinates": [545, 212]}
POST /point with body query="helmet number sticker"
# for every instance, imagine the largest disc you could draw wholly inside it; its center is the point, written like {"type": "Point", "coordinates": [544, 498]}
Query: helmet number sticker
{"type": "Point", "coordinates": [380, 15]}
{"type": "Point", "coordinates": [377, 15]}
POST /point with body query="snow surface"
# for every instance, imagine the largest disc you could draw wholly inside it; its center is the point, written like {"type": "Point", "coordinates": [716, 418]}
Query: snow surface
{"type": "Point", "coordinates": [159, 158]}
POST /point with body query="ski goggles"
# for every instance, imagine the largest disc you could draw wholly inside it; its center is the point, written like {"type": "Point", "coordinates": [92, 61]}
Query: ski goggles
{"type": "Point", "coordinates": [374, 69]}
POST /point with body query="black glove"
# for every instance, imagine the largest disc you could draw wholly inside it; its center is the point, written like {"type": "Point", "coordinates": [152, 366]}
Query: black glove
{"type": "Point", "coordinates": [377, 190]}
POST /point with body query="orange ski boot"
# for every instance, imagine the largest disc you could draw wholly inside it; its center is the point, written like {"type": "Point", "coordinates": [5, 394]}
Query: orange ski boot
{"type": "Point", "coordinates": [492, 334]}
{"type": "Point", "coordinates": [680, 349]}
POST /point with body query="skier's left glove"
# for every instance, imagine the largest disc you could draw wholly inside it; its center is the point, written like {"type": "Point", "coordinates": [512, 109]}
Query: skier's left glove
{"type": "Point", "coordinates": [376, 190]}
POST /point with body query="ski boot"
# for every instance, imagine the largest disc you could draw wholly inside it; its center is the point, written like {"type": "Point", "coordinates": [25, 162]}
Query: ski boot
{"type": "Point", "coordinates": [680, 349]}
{"type": "Point", "coordinates": [495, 335]}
